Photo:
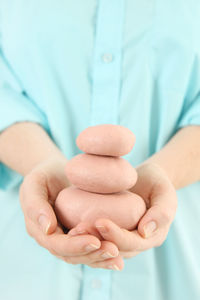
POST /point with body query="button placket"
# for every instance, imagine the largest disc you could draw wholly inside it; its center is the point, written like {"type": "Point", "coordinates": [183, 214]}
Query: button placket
{"type": "Point", "coordinates": [107, 57]}
{"type": "Point", "coordinates": [106, 83]}
{"type": "Point", "coordinates": [106, 71]}
{"type": "Point", "coordinates": [96, 283]}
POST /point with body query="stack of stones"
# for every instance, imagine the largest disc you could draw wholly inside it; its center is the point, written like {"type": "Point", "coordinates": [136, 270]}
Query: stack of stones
{"type": "Point", "coordinates": [100, 180]}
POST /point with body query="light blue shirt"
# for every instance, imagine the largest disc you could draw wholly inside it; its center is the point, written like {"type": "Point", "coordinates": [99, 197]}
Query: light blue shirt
{"type": "Point", "coordinates": [68, 65]}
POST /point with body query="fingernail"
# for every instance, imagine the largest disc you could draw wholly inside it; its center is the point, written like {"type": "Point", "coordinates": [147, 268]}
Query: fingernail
{"type": "Point", "coordinates": [91, 247]}
{"type": "Point", "coordinates": [80, 231]}
{"type": "Point", "coordinates": [107, 255]}
{"type": "Point", "coordinates": [102, 229]}
{"type": "Point", "coordinates": [76, 232]}
{"type": "Point", "coordinates": [44, 223]}
{"type": "Point", "coordinates": [72, 232]}
{"type": "Point", "coordinates": [149, 229]}
{"type": "Point", "coordinates": [114, 267]}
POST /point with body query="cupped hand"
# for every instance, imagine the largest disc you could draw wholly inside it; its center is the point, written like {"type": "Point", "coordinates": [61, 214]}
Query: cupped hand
{"type": "Point", "coordinates": [37, 196]}
{"type": "Point", "coordinates": [155, 188]}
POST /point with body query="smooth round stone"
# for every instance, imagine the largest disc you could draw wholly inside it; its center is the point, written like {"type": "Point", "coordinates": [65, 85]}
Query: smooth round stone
{"type": "Point", "coordinates": [100, 174]}
{"type": "Point", "coordinates": [107, 139]}
{"type": "Point", "coordinates": [73, 206]}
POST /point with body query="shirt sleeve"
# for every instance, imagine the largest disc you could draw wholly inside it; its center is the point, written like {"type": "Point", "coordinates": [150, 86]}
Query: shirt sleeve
{"type": "Point", "coordinates": [15, 106]}
{"type": "Point", "coordinates": [191, 107]}
{"type": "Point", "coordinates": [191, 113]}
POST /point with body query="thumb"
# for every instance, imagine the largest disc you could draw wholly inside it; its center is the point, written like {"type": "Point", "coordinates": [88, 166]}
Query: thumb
{"type": "Point", "coordinates": [35, 205]}
{"type": "Point", "coordinates": [159, 215]}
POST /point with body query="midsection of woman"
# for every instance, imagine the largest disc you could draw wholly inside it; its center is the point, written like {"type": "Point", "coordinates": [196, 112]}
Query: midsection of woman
{"type": "Point", "coordinates": [56, 49]}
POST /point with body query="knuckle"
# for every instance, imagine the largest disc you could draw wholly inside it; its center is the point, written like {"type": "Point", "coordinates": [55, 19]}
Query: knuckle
{"type": "Point", "coordinates": [159, 241]}
{"type": "Point", "coordinates": [67, 260]}
{"type": "Point", "coordinates": [52, 251]}
{"type": "Point", "coordinates": [71, 260]}
{"type": "Point", "coordinates": [41, 242]}
{"type": "Point", "coordinates": [51, 247]}
{"type": "Point", "coordinates": [28, 227]}
{"type": "Point", "coordinates": [166, 216]}
{"type": "Point", "coordinates": [30, 233]}
{"type": "Point", "coordinates": [62, 258]}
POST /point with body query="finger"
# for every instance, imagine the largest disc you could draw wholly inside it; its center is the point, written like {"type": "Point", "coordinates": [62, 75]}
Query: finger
{"type": "Point", "coordinates": [160, 215]}
{"type": "Point", "coordinates": [125, 240]}
{"type": "Point", "coordinates": [129, 254]}
{"type": "Point", "coordinates": [116, 264]}
{"type": "Point", "coordinates": [35, 205]}
{"type": "Point", "coordinates": [107, 251]}
{"type": "Point", "coordinates": [73, 246]}
{"type": "Point", "coordinates": [61, 244]}
{"type": "Point", "coordinates": [85, 228]}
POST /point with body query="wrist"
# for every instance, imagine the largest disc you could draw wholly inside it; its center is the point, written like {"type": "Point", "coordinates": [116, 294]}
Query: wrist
{"type": "Point", "coordinates": [180, 157]}
{"type": "Point", "coordinates": [162, 166]}
{"type": "Point", "coordinates": [158, 169]}
{"type": "Point", "coordinates": [23, 146]}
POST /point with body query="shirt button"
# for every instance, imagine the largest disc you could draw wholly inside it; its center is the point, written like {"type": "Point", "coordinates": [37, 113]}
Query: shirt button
{"type": "Point", "coordinates": [96, 284]}
{"type": "Point", "coordinates": [107, 57]}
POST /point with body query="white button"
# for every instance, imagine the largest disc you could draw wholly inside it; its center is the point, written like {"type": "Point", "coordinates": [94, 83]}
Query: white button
{"type": "Point", "coordinates": [96, 284]}
{"type": "Point", "coordinates": [107, 57]}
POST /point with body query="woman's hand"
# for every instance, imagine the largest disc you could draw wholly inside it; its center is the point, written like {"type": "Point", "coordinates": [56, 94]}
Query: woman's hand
{"type": "Point", "coordinates": [159, 194]}
{"type": "Point", "coordinates": [37, 195]}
